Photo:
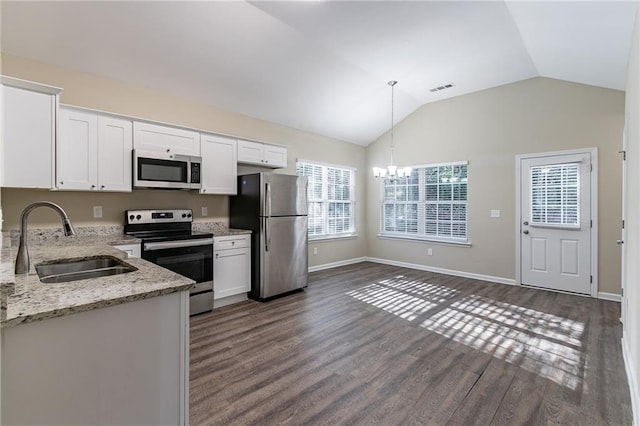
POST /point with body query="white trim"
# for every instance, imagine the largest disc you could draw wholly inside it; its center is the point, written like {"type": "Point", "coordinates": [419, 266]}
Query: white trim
{"type": "Point", "coordinates": [29, 85]}
{"type": "Point", "coordinates": [184, 358]}
{"type": "Point", "coordinates": [609, 296]}
{"type": "Point", "coordinates": [481, 277]}
{"type": "Point", "coordinates": [320, 163]}
{"type": "Point", "coordinates": [424, 239]}
{"type": "Point", "coordinates": [631, 378]}
{"type": "Point", "coordinates": [337, 264]}
{"type": "Point", "coordinates": [229, 300]}
{"type": "Point", "coordinates": [332, 237]}
{"type": "Point", "coordinates": [593, 154]}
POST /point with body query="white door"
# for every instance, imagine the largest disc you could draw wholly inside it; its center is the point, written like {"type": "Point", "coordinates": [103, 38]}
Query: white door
{"type": "Point", "coordinates": [275, 156]}
{"type": "Point", "coordinates": [555, 222]}
{"type": "Point", "coordinates": [250, 152]}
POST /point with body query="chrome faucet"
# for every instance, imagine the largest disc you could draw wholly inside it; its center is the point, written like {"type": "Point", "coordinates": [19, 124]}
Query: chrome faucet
{"type": "Point", "coordinates": [22, 260]}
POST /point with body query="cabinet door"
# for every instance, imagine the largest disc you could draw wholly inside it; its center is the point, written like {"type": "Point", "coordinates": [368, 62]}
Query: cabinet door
{"type": "Point", "coordinates": [231, 272]}
{"type": "Point", "coordinates": [275, 156]}
{"type": "Point", "coordinates": [28, 138]}
{"type": "Point", "coordinates": [219, 165]}
{"type": "Point", "coordinates": [115, 142]}
{"type": "Point", "coordinates": [76, 153]}
{"type": "Point", "coordinates": [152, 137]}
{"type": "Point", "coordinates": [250, 152]}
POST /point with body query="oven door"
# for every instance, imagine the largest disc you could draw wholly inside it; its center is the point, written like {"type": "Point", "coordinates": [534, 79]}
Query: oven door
{"type": "Point", "coordinates": [190, 258]}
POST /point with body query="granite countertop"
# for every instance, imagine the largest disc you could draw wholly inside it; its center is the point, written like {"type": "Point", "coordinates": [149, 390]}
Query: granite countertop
{"type": "Point", "coordinates": [26, 299]}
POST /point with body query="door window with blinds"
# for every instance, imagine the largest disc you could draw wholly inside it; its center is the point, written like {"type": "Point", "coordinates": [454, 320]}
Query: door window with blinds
{"type": "Point", "coordinates": [555, 195]}
{"type": "Point", "coordinates": [429, 204]}
{"type": "Point", "coordinates": [331, 198]}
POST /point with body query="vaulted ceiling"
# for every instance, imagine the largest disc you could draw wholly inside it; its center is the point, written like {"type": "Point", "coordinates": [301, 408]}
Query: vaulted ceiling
{"type": "Point", "coordinates": [323, 66]}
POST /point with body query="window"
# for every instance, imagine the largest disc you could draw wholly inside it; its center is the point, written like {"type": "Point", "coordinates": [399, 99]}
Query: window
{"type": "Point", "coordinates": [331, 199]}
{"type": "Point", "coordinates": [429, 204]}
{"type": "Point", "coordinates": [555, 195]}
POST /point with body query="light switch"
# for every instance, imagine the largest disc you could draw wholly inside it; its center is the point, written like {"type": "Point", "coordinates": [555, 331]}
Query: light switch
{"type": "Point", "coordinates": [205, 211]}
{"type": "Point", "coordinates": [495, 213]}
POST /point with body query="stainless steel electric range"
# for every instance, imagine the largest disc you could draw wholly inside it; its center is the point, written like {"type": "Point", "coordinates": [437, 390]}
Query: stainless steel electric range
{"type": "Point", "coordinates": [168, 241]}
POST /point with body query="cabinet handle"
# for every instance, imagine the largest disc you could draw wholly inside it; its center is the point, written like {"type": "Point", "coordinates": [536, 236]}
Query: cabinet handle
{"type": "Point", "coordinates": [233, 243]}
{"type": "Point", "coordinates": [93, 186]}
{"type": "Point", "coordinates": [101, 186]}
{"type": "Point", "coordinates": [204, 190]}
{"type": "Point", "coordinates": [61, 183]}
{"type": "Point", "coordinates": [217, 255]}
{"type": "Point", "coordinates": [168, 150]}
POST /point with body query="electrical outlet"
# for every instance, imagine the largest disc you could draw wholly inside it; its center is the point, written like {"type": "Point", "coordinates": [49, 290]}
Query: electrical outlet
{"type": "Point", "coordinates": [97, 212]}
{"type": "Point", "coordinates": [315, 250]}
{"type": "Point", "coordinates": [429, 252]}
{"type": "Point", "coordinates": [495, 213]}
{"type": "Point", "coordinates": [205, 211]}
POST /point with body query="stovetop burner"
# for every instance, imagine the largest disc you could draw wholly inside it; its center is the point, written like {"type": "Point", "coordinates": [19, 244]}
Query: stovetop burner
{"type": "Point", "coordinates": [161, 225]}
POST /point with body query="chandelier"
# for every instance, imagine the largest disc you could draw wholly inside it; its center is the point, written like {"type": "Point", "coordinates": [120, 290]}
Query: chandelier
{"type": "Point", "coordinates": [392, 171]}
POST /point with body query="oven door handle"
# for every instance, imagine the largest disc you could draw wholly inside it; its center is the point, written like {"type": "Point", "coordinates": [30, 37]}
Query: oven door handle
{"type": "Point", "coordinates": [177, 244]}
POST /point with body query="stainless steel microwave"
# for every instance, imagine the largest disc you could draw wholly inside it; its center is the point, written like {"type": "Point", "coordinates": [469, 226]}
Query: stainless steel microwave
{"type": "Point", "coordinates": [165, 170]}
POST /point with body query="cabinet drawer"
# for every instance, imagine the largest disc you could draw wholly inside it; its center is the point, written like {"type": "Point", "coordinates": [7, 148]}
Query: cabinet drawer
{"type": "Point", "coordinates": [231, 242]}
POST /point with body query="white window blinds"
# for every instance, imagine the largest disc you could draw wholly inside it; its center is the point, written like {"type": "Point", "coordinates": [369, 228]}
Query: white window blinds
{"type": "Point", "coordinates": [331, 199]}
{"type": "Point", "coordinates": [431, 203]}
{"type": "Point", "coordinates": [555, 194]}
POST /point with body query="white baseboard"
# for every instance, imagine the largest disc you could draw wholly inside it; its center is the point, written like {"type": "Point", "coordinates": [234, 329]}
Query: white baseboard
{"type": "Point", "coordinates": [453, 272]}
{"type": "Point", "coordinates": [336, 264]}
{"type": "Point", "coordinates": [609, 296]}
{"type": "Point", "coordinates": [632, 379]}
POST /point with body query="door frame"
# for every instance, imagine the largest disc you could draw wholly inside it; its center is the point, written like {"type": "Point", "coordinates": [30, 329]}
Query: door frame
{"type": "Point", "coordinates": [593, 153]}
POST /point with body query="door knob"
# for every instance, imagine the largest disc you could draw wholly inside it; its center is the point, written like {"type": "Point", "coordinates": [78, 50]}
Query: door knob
{"type": "Point", "coordinates": [619, 242]}
{"type": "Point", "coordinates": [525, 232]}
{"type": "Point", "coordinates": [525, 223]}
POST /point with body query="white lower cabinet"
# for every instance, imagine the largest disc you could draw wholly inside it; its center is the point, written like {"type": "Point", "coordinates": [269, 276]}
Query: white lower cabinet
{"type": "Point", "coordinates": [93, 152]}
{"type": "Point", "coordinates": [132, 250]}
{"type": "Point", "coordinates": [231, 269]}
{"type": "Point", "coordinates": [126, 364]}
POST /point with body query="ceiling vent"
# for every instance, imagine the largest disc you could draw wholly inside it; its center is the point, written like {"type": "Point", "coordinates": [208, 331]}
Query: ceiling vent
{"type": "Point", "coordinates": [443, 87]}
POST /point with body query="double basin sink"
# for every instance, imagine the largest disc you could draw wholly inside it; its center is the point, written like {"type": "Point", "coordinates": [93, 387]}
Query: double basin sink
{"type": "Point", "coordinates": [65, 270]}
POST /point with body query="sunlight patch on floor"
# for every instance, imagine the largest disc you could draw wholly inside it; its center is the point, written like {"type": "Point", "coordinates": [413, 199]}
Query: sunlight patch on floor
{"type": "Point", "coordinates": [539, 342]}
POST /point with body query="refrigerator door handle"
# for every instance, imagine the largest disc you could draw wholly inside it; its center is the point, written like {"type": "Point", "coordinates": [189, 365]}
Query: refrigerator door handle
{"type": "Point", "coordinates": [268, 199]}
{"type": "Point", "coordinates": [266, 234]}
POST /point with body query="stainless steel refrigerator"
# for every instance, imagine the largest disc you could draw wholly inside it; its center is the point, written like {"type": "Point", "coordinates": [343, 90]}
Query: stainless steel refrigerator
{"type": "Point", "coordinates": [274, 207]}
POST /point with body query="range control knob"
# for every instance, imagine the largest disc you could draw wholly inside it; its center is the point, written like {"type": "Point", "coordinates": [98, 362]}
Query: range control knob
{"type": "Point", "coordinates": [131, 217]}
{"type": "Point", "coordinates": [189, 215]}
{"type": "Point", "coordinates": [139, 217]}
{"type": "Point", "coordinates": [184, 215]}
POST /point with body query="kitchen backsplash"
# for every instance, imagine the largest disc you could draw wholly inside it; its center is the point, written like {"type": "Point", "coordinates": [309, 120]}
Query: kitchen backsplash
{"type": "Point", "coordinates": [54, 234]}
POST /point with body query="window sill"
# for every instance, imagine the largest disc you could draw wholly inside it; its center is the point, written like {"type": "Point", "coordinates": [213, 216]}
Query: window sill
{"type": "Point", "coordinates": [424, 240]}
{"type": "Point", "coordinates": [329, 238]}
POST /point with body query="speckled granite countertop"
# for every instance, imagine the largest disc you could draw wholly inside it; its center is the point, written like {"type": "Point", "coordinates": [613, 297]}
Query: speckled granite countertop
{"type": "Point", "coordinates": [26, 299]}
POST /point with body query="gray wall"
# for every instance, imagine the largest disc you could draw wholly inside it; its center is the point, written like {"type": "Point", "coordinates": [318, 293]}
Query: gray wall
{"type": "Point", "coordinates": [489, 128]}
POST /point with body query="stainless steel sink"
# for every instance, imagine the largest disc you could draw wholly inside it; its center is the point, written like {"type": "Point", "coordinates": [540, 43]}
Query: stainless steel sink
{"type": "Point", "coordinates": [64, 270]}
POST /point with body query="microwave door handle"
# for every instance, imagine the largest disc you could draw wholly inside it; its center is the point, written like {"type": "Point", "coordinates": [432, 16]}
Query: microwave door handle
{"type": "Point", "coordinates": [177, 244]}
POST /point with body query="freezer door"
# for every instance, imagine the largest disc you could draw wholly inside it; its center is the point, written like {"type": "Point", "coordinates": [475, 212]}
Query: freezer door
{"type": "Point", "coordinates": [283, 257]}
{"type": "Point", "coordinates": [283, 195]}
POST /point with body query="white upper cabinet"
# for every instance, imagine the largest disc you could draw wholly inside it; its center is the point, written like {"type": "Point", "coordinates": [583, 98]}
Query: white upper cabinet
{"type": "Point", "coordinates": [28, 133]}
{"type": "Point", "coordinates": [115, 143]}
{"type": "Point", "coordinates": [154, 137]}
{"type": "Point", "coordinates": [262, 154]}
{"type": "Point", "coordinates": [93, 152]}
{"type": "Point", "coordinates": [219, 164]}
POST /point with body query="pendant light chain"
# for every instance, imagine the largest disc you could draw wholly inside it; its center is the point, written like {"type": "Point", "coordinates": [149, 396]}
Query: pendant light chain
{"type": "Point", "coordinates": [392, 172]}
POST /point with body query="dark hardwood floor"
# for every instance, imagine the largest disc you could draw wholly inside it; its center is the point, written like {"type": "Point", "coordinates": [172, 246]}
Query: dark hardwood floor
{"type": "Point", "coordinates": [376, 344]}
